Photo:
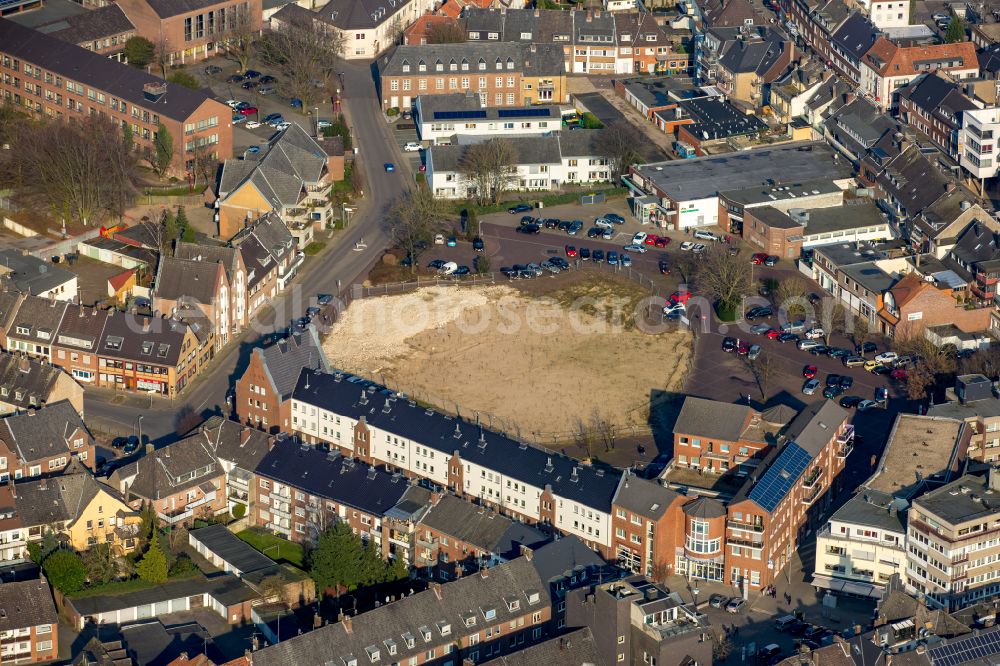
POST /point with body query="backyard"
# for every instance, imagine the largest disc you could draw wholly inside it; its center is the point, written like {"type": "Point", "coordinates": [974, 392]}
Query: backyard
{"type": "Point", "coordinates": [278, 549]}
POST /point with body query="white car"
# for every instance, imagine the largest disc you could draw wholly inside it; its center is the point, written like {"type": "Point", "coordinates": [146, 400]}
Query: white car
{"type": "Point", "coordinates": [705, 235]}
{"type": "Point", "coordinates": [448, 268]}
{"type": "Point", "coordinates": [281, 126]}
{"type": "Point", "coordinates": [412, 147]}
{"type": "Point", "coordinates": [323, 124]}
{"type": "Point", "coordinates": [253, 124]}
{"type": "Point", "coordinates": [698, 247]}
{"type": "Point", "coordinates": [639, 238]}
{"type": "Point", "coordinates": [603, 223]}
{"type": "Point", "coordinates": [232, 103]}
{"type": "Point", "coordinates": [676, 308]}
{"type": "Point", "coordinates": [815, 333]}
{"type": "Point", "coordinates": [687, 245]}
{"type": "Point", "coordinates": [865, 405]}
{"type": "Point", "coordinates": [806, 345]}
{"type": "Point", "coordinates": [886, 358]}
{"type": "Point", "coordinates": [639, 249]}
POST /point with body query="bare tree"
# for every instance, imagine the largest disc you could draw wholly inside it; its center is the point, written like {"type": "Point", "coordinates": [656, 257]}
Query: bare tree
{"type": "Point", "coordinates": [490, 167]}
{"type": "Point", "coordinates": [834, 318]}
{"type": "Point", "coordinates": [792, 296]}
{"type": "Point", "coordinates": [583, 436]}
{"type": "Point", "coordinates": [933, 365]}
{"type": "Point", "coordinates": [204, 165]}
{"type": "Point", "coordinates": [860, 331]}
{"type": "Point", "coordinates": [305, 48]}
{"type": "Point", "coordinates": [162, 51]}
{"type": "Point", "coordinates": [619, 143]}
{"type": "Point", "coordinates": [241, 35]}
{"type": "Point", "coordinates": [763, 369]}
{"type": "Point", "coordinates": [446, 32]}
{"type": "Point", "coordinates": [82, 170]}
{"type": "Point", "coordinates": [394, 29]}
{"type": "Point", "coordinates": [357, 176]}
{"type": "Point", "coordinates": [413, 219]}
{"type": "Point", "coordinates": [723, 276]}
{"type": "Point", "coordinates": [604, 428]}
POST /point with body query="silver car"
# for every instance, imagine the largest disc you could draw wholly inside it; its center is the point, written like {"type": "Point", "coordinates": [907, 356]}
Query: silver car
{"type": "Point", "coordinates": [810, 386]}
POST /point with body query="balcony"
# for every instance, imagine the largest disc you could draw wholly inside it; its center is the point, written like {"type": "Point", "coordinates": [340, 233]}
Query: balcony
{"type": "Point", "coordinates": [811, 495]}
{"type": "Point", "coordinates": [986, 278]}
{"type": "Point", "coordinates": [427, 543]}
{"type": "Point", "coordinates": [846, 437]}
{"type": "Point", "coordinates": [745, 543]}
{"type": "Point", "coordinates": [844, 450]}
{"type": "Point", "coordinates": [812, 478]}
{"type": "Point", "coordinates": [746, 527]}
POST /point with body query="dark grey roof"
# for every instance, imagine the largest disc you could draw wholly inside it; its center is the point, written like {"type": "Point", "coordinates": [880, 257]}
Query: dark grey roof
{"type": "Point", "coordinates": [544, 59]}
{"type": "Point", "coordinates": [529, 150]}
{"type": "Point", "coordinates": [39, 317]}
{"type": "Point", "coordinates": [42, 433]}
{"type": "Point", "coordinates": [144, 339]}
{"type": "Point", "coordinates": [740, 56]}
{"type": "Point", "coordinates": [187, 280]}
{"type": "Point", "coordinates": [81, 327]}
{"type": "Point", "coordinates": [562, 558]}
{"type": "Point", "coordinates": [859, 125]}
{"type": "Point", "coordinates": [643, 497]}
{"type": "Point", "coordinates": [712, 419]}
{"type": "Point", "coordinates": [27, 378]}
{"type": "Point", "coordinates": [98, 72]}
{"type": "Point", "coordinates": [853, 214]}
{"type": "Point", "coordinates": [214, 254]}
{"type": "Point", "coordinates": [705, 507]}
{"type": "Point", "coordinates": [284, 360]}
{"type": "Point", "coordinates": [938, 96]}
{"type": "Point", "coordinates": [10, 300]}
{"type": "Point", "coordinates": [152, 644]}
{"type": "Point", "coordinates": [48, 502]}
{"type": "Point", "coordinates": [581, 143]}
{"type": "Point", "coordinates": [764, 193]}
{"type": "Point", "coordinates": [226, 588]}
{"type": "Point", "coordinates": [334, 477]}
{"type": "Point", "coordinates": [231, 549]}
{"type": "Point", "coordinates": [430, 105]}
{"type": "Point", "coordinates": [815, 426]}
{"type": "Point", "coordinates": [774, 218]}
{"type": "Point", "coordinates": [717, 119]}
{"type": "Point", "coordinates": [96, 24]}
{"type": "Point", "coordinates": [575, 648]}
{"type": "Point", "coordinates": [965, 499]}
{"type": "Point", "coordinates": [31, 274]}
{"type": "Point", "coordinates": [239, 444]}
{"type": "Point", "coordinates": [703, 177]}
{"type": "Point", "coordinates": [264, 244]}
{"type": "Point", "coordinates": [158, 474]}
{"type": "Point", "coordinates": [855, 35]}
{"type": "Point", "coordinates": [913, 181]}
{"type": "Point", "coordinates": [429, 610]}
{"type": "Point", "coordinates": [874, 509]}
{"type": "Point", "coordinates": [168, 8]}
{"type": "Point", "coordinates": [870, 276]}
{"type": "Point", "coordinates": [569, 479]}
{"type": "Point", "coordinates": [26, 604]}
{"type": "Point", "coordinates": [481, 527]}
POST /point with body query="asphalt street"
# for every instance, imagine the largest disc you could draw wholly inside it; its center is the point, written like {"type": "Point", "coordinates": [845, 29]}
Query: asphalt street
{"type": "Point", "coordinates": [341, 265]}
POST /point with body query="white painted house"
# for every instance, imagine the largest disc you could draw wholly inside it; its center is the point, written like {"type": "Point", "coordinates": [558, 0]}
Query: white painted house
{"type": "Point", "coordinates": [439, 118]}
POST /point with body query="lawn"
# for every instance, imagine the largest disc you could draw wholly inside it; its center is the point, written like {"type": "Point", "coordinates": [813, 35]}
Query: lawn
{"type": "Point", "coordinates": [314, 248]}
{"type": "Point", "coordinates": [278, 549]}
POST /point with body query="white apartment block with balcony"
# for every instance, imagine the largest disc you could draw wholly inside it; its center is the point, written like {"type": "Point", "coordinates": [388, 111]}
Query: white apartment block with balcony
{"type": "Point", "coordinates": [977, 137]}
{"type": "Point", "coordinates": [862, 545]}
{"type": "Point", "coordinates": [953, 542]}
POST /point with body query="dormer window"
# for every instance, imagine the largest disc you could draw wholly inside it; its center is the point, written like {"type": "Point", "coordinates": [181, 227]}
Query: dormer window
{"type": "Point", "coordinates": [162, 351]}
{"type": "Point", "coordinates": [482, 64]}
{"type": "Point", "coordinates": [373, 654]}
{"type": "Point", "coordinates": [444, 628]}
{"type": "Point", "coordinates": [147, 348]}
{"type": "Point", "coordinates": [426, 634]}
{"type": "Point", "coordinates": [513, 604]}
{"type": "Point", "coordinates": [23, 330]}
{"type": "Point", "coordinates": [421, 66]}
{"type": "Point", "coordinates": [470, 620]}
{"type": "Point", "coordinates": [452, 66]}
{"type": "Point", "coordinates": [473, 35]}
{"type": "Point", "coordinates": [499, 63]}
{"type": "Point", "coordinates": [390, 646]}
{"type": "Point", "coordinates": [439, 66]}
{"type": "Point", "coordinates": [409, 640]}
{"type": "Point", "coordinates": [532, 597]}
{"type": "Point", "coordinates": [650, 38]}
{"type": "Point", "coordinates": [510, 63]}
{"type": "Point", "coordinates": [406, 66]}
{"type": "Point", "coordinates": [114, 342]}
{"type": "Point", "coordinates": [489, 613]}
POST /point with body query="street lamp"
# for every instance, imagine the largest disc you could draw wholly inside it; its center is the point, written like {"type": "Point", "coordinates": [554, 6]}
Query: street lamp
{"type": "Point", "coordinates": [694, 592]}
{"type": "Point", "coordinates": [139, 425]}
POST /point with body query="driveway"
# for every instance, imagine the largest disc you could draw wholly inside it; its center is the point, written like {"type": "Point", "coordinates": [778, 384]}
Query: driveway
{"type": "Point", "coordinates": [605, 111]}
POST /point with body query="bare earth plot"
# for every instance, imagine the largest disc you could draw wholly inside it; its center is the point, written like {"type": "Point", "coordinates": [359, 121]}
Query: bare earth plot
{"type": "Point", "coordinates": [532, 364]}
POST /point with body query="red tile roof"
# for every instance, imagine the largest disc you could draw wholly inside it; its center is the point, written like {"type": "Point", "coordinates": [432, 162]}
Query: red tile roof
{"type": "Point", "coordinates": [888, 59]}
{"type": "Point", "coordinates": [120, 280]}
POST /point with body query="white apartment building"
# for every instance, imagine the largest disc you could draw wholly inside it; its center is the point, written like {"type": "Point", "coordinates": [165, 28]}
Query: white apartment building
{"type": "Point", "coordinates": [440, 118]}
{"type": "Point", "coordinates": [953, 542]}
{"type": "Point", "coordinates": [862, 545]}
{"type": "Point", "coordinates": [978, 133]}
{"type": "Point", "coordinates": [519, 480]}
{"type": "Point", "coordinates": [890, 13]}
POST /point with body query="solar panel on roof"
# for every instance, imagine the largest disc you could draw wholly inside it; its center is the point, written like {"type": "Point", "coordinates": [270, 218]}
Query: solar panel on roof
{"type": "Point", "coordinates": [524, 113]}
{"type": "Point", "coordinates": [780, 476]}
{"type": "Point", "coordinates": [968, 649]}
{"type": "Point", "coordinates": [459, 115]}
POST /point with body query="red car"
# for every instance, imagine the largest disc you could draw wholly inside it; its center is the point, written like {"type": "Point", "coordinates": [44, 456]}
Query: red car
{"type": "Point", "coordinates": [249, 111]}
{"type": "Point", "coordinates": [758, 258]}
{"type": "Point", "coordinates": [570, 251]}
{"type": "Point", "coordinates": [662, 241]}
{"type": "Point", "coordinates": [743, 349]}
{"type": "Point", "coordinates": [773, 334]}
{"type": "Point", "coordinates": [809, 372]}
{"type": "Point", "coordinates": [680, 297]}
{"type": "Point", "coordinates": [651, 239]}
{"type": "Point", "coordinates": [898, 374]}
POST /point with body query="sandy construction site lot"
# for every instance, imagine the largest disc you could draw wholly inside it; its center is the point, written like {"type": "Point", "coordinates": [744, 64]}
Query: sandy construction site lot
{"type": "Point", "coordinates": [532, 364]}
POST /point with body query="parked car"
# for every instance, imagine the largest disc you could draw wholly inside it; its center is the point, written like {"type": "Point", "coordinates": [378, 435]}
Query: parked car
{"type": "Point", "coordinates": [253, 124]}
{"type": "Point", "coordinates": [119, 442]}
{"type": "Point", "coordinates": [238, 118]}
{"type": "Point", "coordinates": [638, 249]}
{"type": "Point", "coordinates": [687, 245]}
{"type": "Point", "coordinates": [664, 267]}
{"type": "Point", "coordinates": [698, 248]}
{"type": "Point", "coordinates": [705, 235]}
{"type": "Point", "coordinates": [758, 258]}
{"type": "Point", "coordinates": [249, 85]}
{"type": "Point", "coordinates": [846, 382]}
{"type": "Point", "coordinates": [794, 326]}
{"type": "Point", "coordinates": [584, 253]}
{"type": "Point", "coordinates": [771, 260]}
{"type": "Point", "coordinates": [248, 110]}
{"type": "Point", "coordinates": [529, 229]}
{"type": "Point", "coordinates": [235, 78]}
{"type": "Point", "coordinates": [267, 79]}
{"type": "Point", "coordinates": [520, 208]}
{"type": "Point", "coordinates": [266, 90]}
{"type": "Point", "coordinates": [865, 405]}
{"type": "Point", "coordinates": [625, 260]}
{"type": "Point", "coordinates": [639, 238]}
{"type": "Point", "coordinates": [815, 333]}
{"type": "Point", "coordinates": [852, 361]}
{"type": "Point", "coordinates": [412, 147]}
{"type": "Point", "coordinates": [614, 217]}
{"type": "Point", "coordinates": [810, 386]}
{"type": "Point", "coordinates": [886, 358]}
{"type": "Point", "coordinates": [759, 329]}
{"type": "Point", "coordinates": [477, 244]}
{"type": "Point", "coordinates": [651, 239]}
{"type": "Point", "coordinates": [773, 334]}
{"type": "Point", "coordinates": [754, 352]}
{"type": "Point", "coordinates": [604, 223]}
{"type": "Point", "coordinates": [729, 344]}
{"type": "Point", "coordinates": [612, 257]}
{"type": "Point", "coordinates": [850, 401]}
{"type": "Point", "coordinates": [594, 232]}
{"type": "Point", "coordinates": [452, 241]}
{"type": "Point", "coordinates": [831, 392]}
{"type": "Point", "coordinates": [213, 69]}
{"type": "Point", "coordinates": [819, 350]}
{"type": "Point", "coordinates": [866, 348]}
{"type": "Point", "coordinates": [389, 167]}
{"type": "Point", "coordinates": [806, 345]}
{"type": "Point", "coordinates": [570, 250]}
{"type": "Point", "coordinates": [759, 312]}
{"type": "Point", "coordinates": [735, 605]}
{"type": "Point", "coordinates": [560, 262]}
{"type": "Point", "coordinates": [881, 394]}
{"type": "Point", "coordinates": [597, 255]}
{"type": "Point", "coordinates": [718, 601]}
{"type": "Point", "coordinates": [131, 446]}
{"type": "Point", "coordinates": [788, 337]}
{"type": "Point", "coordinates": [809, 372]}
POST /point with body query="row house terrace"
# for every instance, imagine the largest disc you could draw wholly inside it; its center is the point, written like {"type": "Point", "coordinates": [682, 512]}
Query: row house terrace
{"type": "Point", "coordinates": [514, 478]}
{"type": "Point", "coordinates": [301, 490]}
{"type": "Point", "coordinates": [50, 78]}
{"type": "Point", "coordinates": [43, 442]}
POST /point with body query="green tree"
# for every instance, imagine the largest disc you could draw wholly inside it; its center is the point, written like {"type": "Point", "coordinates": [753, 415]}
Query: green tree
{"type": "Point", "coordinates": [184, 226]}
{"type": "Point", "coordinates": [337, 559]}
{"type": "Point", "coordinates": [39, 550]}
{"type": "Point", "coordinates": [589, 121]}
{"type": "Point", "coordinates": [65, 571]}
{"type": "Point", "coordinates": [127, 137]}
{"type": "Point", "coordinates": [163, 150]}
{"type": "Point", "coordinates": [471, 224]}
{"type": "Point", "coordinates": [170, 228]}
{"type": "Point", "coordinates": [397, 569]}
{"type": "Point", "coordinates": [101, 564]}
{"type": "Point", "coordinates": [139, 51]}
{"type": "Point", "coordinates": [956, 30]}
{"type": "Point", "coordinates": [152, 568]}
{"type": "Point", "coordinates": [182, 78]}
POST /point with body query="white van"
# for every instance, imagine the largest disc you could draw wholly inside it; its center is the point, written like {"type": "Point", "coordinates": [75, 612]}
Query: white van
{"type": "Point", "coordinates": [448, 268]}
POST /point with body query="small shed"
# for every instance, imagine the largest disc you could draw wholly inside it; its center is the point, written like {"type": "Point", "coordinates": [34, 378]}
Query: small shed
{"type": "Point", "coordinates": [120, 285]}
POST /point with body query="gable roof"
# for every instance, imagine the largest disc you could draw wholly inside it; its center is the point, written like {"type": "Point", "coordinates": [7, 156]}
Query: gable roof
{"type": "Point", "coordinates": [89, 26]}
{"type": "Point", "coordinates": [481, 527]}
{"type": "Point", "coordinates": [59, 499]}
{"type": "Point", "coordinates": [575, 648]}
{"type": "Point", "coordinates": [33, 381]}
{"type": "Point", "coordinates": [157, 474]}
{"type": "Point", "coordinates": [562, 558]}
{"type": "Point", "coordinates": [40, 317]}
{"type": "Point", "coordinates": [42, 433]}
{"type": "Point", "coordinates": [938, 95]}
{"type": "Point", "coordinates": [712, 418]}
{"type": "Point", "coordinates": [31, 274]}
{"type": "Point", "coordinates": [284, 360]}
{"type": "Point", "coordinates": [888, 59]}
{"type": "Point", "coordinates": [187, 280]}
{"type": "Point", "coordinates": [585, 484]}
{"type": "Point", "coordinates": [234, 442]}
{"type": "Point", "coordinates": [26, 604]}
{"type": "Point", "coordinates": [855, 35]}
{"type": "Point", "coordinates": [407, 618]}
{"type": "Point", "coordinates": [99, 72]}
{"type": "Point", "coordinates": [815, 426]}
{"type": "Point", "coordinates": [156, 340]}
{"type": "Point", "coordinates": [643, 497]}
{"type": "Point", "coordinates": [215, 254]}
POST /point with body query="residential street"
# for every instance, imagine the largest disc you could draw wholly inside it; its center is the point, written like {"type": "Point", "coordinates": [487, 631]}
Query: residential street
{"type": "Point", "coordinates": [339, 264]}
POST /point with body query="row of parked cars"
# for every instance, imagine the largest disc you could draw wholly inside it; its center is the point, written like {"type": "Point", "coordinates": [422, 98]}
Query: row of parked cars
{"type": "Point", "coordinates": [554, 266]}
{"type": "Point", "coordinates": [586, 254]}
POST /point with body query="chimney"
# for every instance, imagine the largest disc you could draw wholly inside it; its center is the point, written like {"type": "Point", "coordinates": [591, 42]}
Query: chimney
{"type": "Point", "coordinates": [527, 552]}
{"type": "Point", "coordinates": [245, 436]}
{"type": "Point", "coordinates": [437, 589]}
{"type": "Point", "coordinates": [43, 484]}
{"type": "Point", "coordinates": [590, 15]}
{"type": "Point", "coordinates": [348, 626]}
{"type": "Point", "coordinates": [484, 572]}
{"type": "Point", "coordinates": [149, 448]}
{"type": "Point", "coordinates": [24, 365]}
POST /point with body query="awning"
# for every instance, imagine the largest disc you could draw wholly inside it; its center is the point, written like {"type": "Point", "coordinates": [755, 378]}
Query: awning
{"type": "Point", "coordinates": [853, 587]}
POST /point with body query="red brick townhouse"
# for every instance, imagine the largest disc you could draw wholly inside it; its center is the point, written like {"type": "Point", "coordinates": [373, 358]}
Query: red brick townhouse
{"type": "Point", "coordinates": [50, 78]}
{"type": "Point", "coordinates": [29, 624]}
{"type": "Point", "coordinates": [43, 442]}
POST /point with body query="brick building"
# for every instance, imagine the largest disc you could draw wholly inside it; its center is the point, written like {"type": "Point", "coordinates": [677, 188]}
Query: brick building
{"type": "Point", "coordinates": [103, 30]}
{"type": "Point", "coordinates": [49, 77]}
{"type": "Point", "coordinates": [29, 624]}
{"type": "Point", "coordinates": [772, 231]}
{"type": "Point", "coordinates": [75, 346]}
{"type": "Point", "coordinates": [913, 304]}
{"type": "Point", "coordinates": [719, 437]}
{"type": "Point", "coordinates": [933, 105]}
{"type": "Point", "coordinates": [647, 527]}
{"type": "Point", "coordinates": [191, 31]}
{"type": "Point", "coordinates": [264, 390]}
{"type": "Point", "coordinates": [44, 442]}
